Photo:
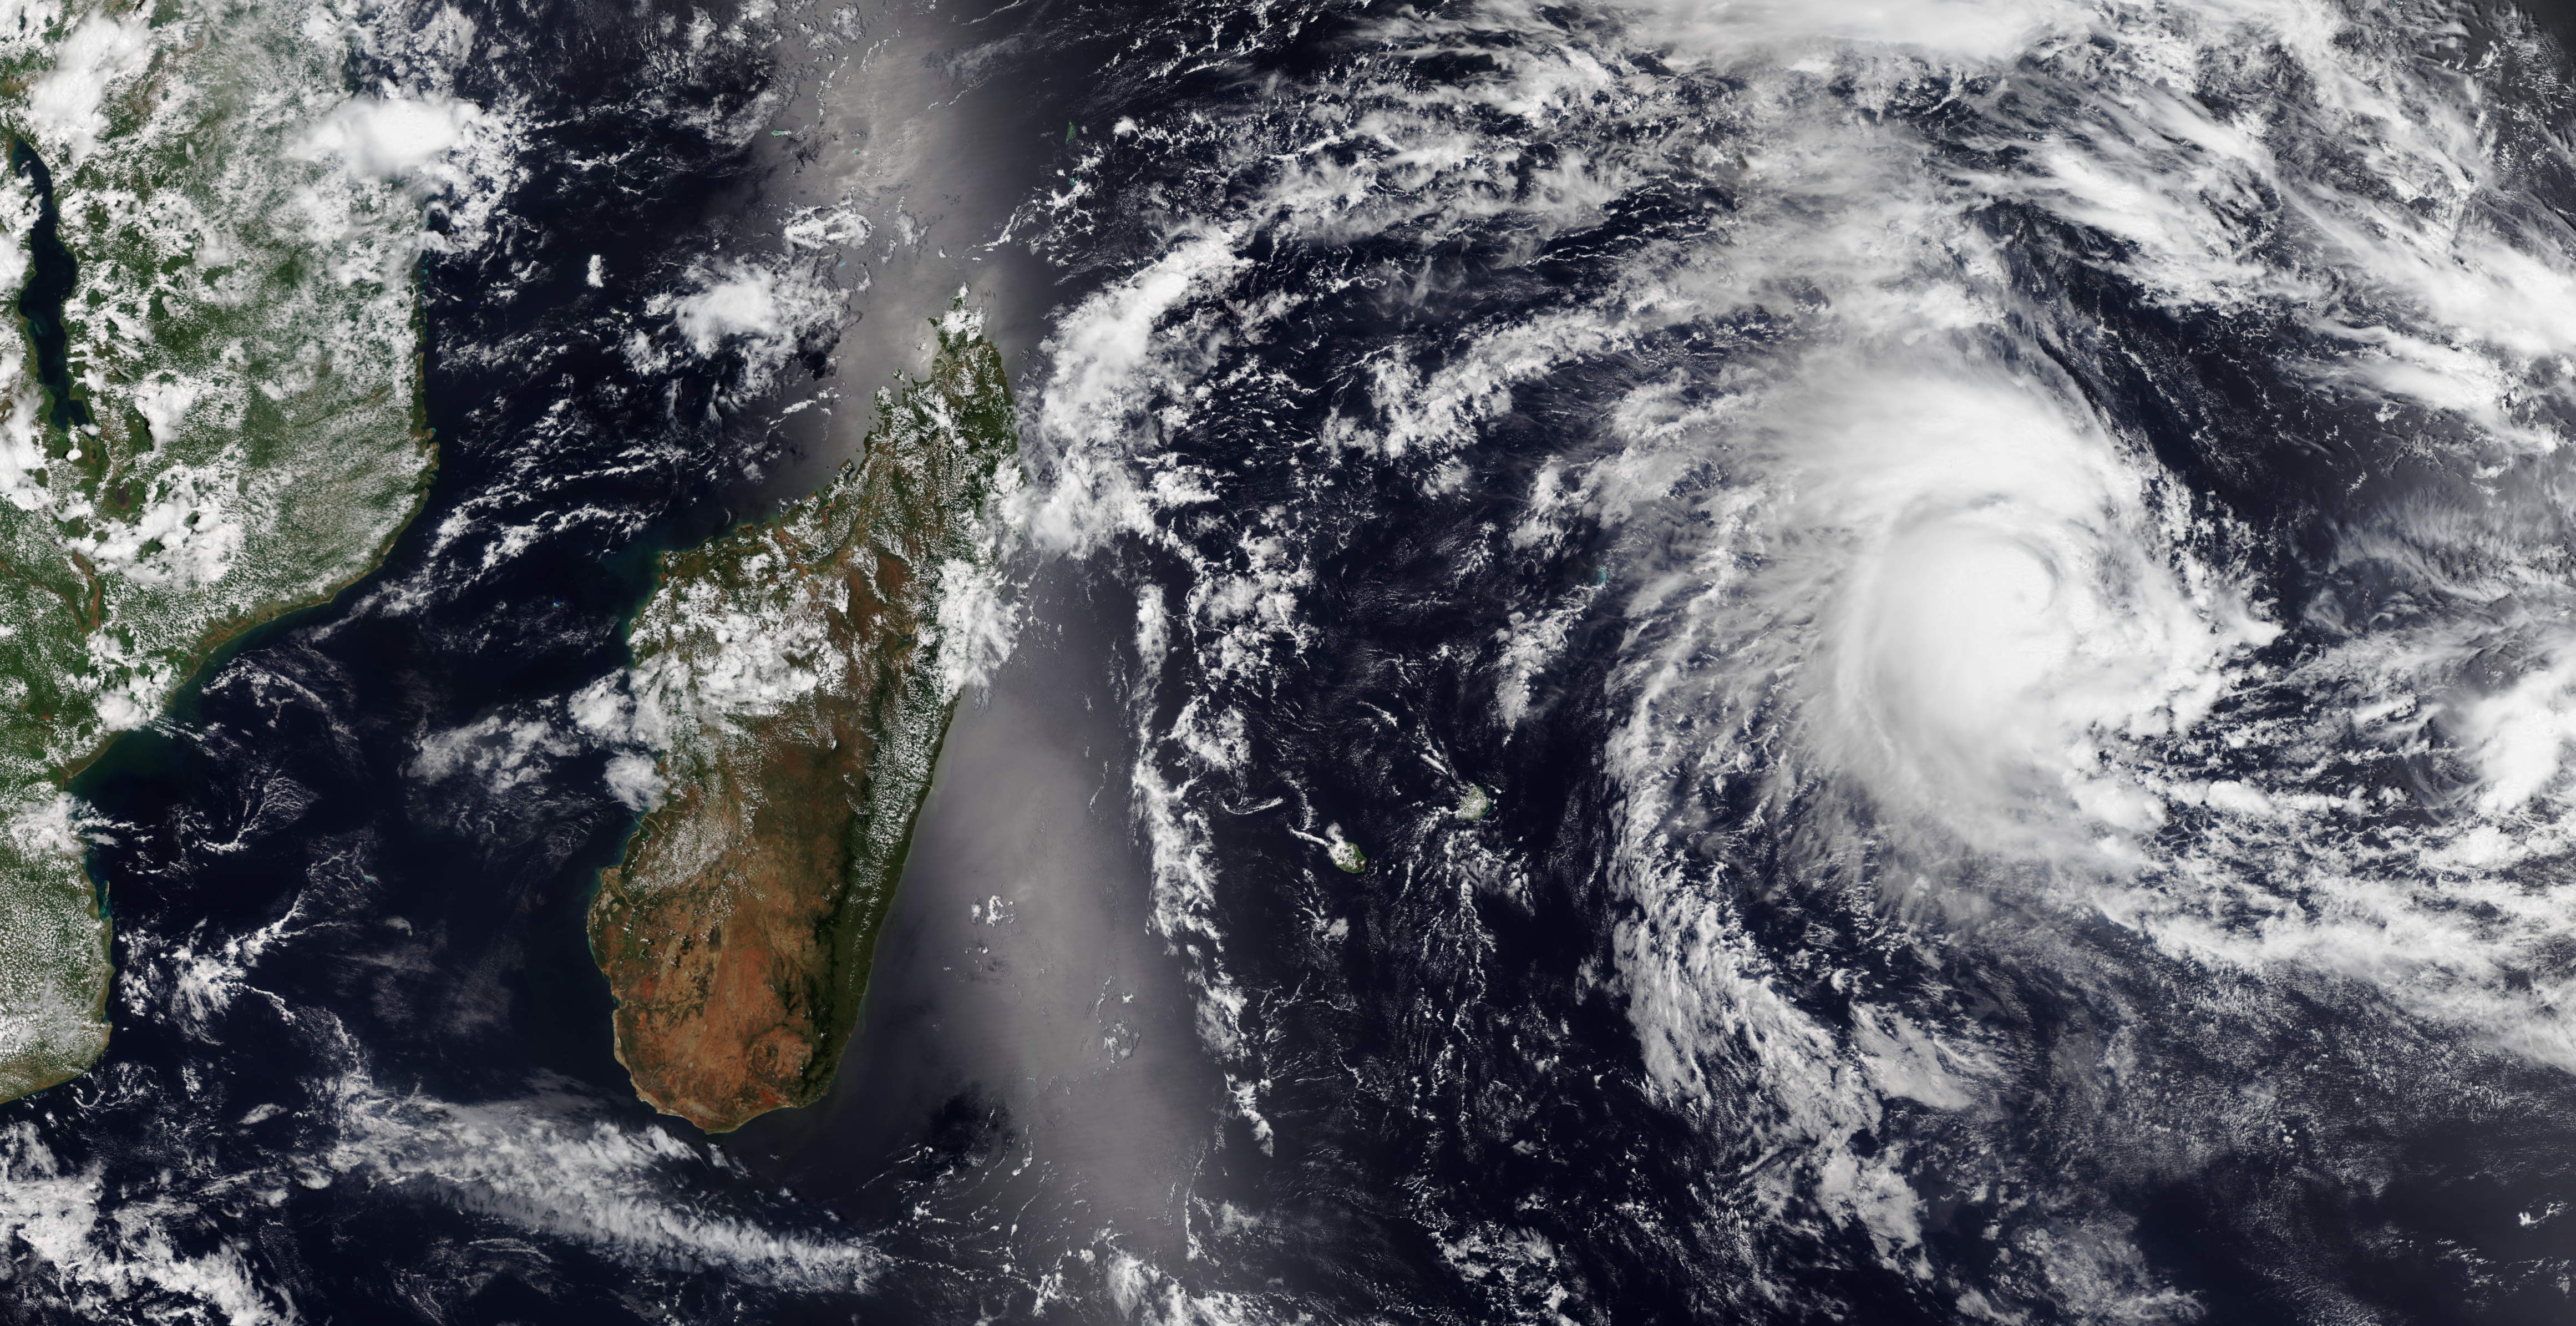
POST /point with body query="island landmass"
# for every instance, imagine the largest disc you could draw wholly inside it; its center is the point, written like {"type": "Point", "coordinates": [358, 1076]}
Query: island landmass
{"type": "Point", "coordinates": [801, 678]}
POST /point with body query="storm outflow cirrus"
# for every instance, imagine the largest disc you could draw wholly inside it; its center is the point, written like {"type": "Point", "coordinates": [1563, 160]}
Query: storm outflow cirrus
{"type": "Point", "coordinates": [1649, 662]}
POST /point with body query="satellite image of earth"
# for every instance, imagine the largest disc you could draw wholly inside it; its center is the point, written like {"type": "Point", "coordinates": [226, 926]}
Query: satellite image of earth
{"type": "Point", "coordinates": [1280, 662]}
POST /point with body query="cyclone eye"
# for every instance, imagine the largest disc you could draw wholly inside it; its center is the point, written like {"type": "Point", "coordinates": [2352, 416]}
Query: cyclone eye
{"type": "Point", "coordinates": [1965, 632]}
{"type": "Point", "coordinates": [2004, 626]}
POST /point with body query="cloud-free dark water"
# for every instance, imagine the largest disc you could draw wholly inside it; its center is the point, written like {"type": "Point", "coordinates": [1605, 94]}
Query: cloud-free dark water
{"type": "Point", "coordinates": [321, 919]}
{"type": "Point", "coordinates": [350, 870]}
{"type": "Point", "coordinates": [52, 276]}
{"type": "Point", "coordinates": [1027, 1080]}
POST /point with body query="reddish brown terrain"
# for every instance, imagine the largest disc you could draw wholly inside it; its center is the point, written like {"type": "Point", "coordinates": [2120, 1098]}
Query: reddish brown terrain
{"type": "Point", "coordinates": [794, 665]}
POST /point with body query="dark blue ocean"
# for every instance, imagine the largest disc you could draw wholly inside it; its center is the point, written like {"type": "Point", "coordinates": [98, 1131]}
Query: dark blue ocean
{"type": "Point", "coordinates": [1999, 565]}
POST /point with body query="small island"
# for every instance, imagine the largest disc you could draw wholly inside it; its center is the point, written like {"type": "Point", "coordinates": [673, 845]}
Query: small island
{"type": "Point", "coordinates": [795, 668]}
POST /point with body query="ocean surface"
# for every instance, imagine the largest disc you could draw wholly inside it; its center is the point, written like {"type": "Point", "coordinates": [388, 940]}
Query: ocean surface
{"type": "Point", "coordinates": [2004, 566]}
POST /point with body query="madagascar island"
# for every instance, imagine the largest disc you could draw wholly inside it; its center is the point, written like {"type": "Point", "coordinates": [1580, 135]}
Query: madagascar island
{"type": "Point", "coordinates": [796, 666]}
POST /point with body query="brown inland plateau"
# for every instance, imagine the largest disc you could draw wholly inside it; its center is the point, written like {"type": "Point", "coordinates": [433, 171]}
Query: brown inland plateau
{"type": "Point", "coordinates": [794, 663]}
{"type": "Point", "coordinates": [724, 977]}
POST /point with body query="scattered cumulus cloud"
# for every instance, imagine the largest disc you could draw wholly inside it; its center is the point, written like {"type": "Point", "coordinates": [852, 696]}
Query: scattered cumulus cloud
{"type": "Point", "coordinates": [65, 105]}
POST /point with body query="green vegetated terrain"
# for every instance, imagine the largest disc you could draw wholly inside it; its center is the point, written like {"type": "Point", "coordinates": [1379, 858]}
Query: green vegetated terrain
{"type": "Point", "coordinates": [801, 671]}
{"type": "Point", "coordinates": [235, 430]}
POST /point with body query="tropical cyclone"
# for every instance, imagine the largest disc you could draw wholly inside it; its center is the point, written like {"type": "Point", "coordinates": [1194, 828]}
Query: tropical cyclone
{"type": "Point", "coordinates": [802, 678]}
{"type": "Point", "coordinates": [209, 413]}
